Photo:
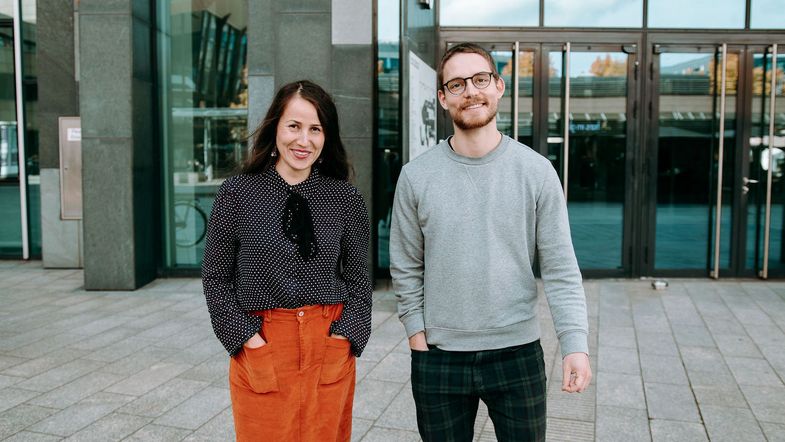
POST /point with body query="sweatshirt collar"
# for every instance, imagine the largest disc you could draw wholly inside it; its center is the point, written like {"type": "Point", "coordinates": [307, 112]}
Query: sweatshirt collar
{"type": "Point", "coordinates": [485, 159]}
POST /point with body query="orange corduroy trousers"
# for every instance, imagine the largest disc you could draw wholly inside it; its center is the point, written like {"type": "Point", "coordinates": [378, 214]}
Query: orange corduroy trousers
{"type": "Point", "coordinates": [300, 385]}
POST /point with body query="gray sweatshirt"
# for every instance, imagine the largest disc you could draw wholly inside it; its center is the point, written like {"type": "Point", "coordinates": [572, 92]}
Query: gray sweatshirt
{"type": "Point", "coordinates": [464, 236]}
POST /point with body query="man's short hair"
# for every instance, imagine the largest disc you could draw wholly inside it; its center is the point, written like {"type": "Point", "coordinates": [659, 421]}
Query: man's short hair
{"type": "Point", "coordinates": [465, 48]}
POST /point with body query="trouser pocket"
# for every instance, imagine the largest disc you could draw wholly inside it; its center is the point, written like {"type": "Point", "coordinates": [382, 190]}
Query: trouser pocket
{"type": "Point", "coordinates": [338, 360]}
{"type": "Point", "coordinates": [259, 368]}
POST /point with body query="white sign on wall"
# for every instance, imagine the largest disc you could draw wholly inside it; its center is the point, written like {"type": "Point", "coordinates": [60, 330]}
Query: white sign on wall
{"type": "Point", "coordinates": [422, 106]}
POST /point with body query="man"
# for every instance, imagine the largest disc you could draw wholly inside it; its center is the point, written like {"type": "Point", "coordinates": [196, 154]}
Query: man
{"type": "Point", "coordinates": [469, 218]}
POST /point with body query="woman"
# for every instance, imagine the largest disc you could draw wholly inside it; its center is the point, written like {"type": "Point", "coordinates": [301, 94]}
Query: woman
{"type": "Point", "coordinates": [285, 275]}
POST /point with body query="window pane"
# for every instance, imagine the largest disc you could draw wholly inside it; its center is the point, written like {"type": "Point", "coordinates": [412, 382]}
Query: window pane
{"type": "Point", "coordinates": [204, 109]}
{"type": "Point", "coordinates": [387, 156]}
{"type": "Point", "coordinates": [489, 13]}
{"type": "Point", "coordinates": [10, 206]}
{"type": "Point", "coordinates": [696, 13]}
{"type": "Point", "coordinates": [767, 14]}
{"type": "Point", "coordinates": [594, 13]}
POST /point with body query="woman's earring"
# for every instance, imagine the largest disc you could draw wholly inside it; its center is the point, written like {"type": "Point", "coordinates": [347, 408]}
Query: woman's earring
{"type": "Point", "coordinates": [319, 160]}
{"type": "Point", "coordinates": [273, 154]}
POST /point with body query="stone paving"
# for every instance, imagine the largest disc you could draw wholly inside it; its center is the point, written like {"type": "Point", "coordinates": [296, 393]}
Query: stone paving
{"type": "Point", "coordinates": [701, 360]}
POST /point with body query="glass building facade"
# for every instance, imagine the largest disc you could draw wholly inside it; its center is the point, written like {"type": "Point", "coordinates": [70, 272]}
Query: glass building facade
{"type": "Point", "coordinates": [20, 214]}
{"type": "Point", "coordinates": [664, 119]}
{"type": "Point", "coordinates": [656, 115]}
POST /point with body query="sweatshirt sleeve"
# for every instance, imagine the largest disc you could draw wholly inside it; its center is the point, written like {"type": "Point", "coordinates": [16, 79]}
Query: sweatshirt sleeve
{"type": "Point", "coordinates": [355, 321]}
{"type": "Point", "coordinates": [407, 257]}
{"type": "Point", "coordinates": [559, 268]}
{"type": "Point", "coordinates": [231, 324]}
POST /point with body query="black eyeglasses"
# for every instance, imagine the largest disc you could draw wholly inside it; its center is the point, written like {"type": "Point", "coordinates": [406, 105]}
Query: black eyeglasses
{"type": "Point", "coordinates": [480, 80]}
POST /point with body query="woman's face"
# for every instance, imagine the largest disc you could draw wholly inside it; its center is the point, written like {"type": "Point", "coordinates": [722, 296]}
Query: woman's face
{"type": "Point", "coordinates": [299, 140]}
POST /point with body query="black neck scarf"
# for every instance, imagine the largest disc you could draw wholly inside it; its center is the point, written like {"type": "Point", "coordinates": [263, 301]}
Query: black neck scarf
{"type": "Point", "coordinates": [298, 225]}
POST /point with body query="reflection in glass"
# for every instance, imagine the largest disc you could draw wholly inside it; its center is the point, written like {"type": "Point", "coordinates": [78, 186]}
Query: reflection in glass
{"type": "Point", "coordinates": [767, 14]}
{"type": "Point", "coordinates": [10, 206]}
{"type": "Point", "coordinates": [689, 108]}
{"type": "Point", "coordinates": [598, 144]}
{"type": "Point", "coordinates": [525, 97]}
{"type": "Point", "coordinates": [691, 14]}
{"type": "Point", "coordinates": [594, 13]}
{"type": "Point", "coordinates": [204, 106]}
{"type": "Point", "coordinates": [388, 154]}
{"type": "Point", "coordinates": [489, 13]}
{"type": "Point", "coordinates": [505, 66]}
{"type": "Point", "coordinates": [6, 9]}
{"type": "Point", "coordinates": [760, 149]}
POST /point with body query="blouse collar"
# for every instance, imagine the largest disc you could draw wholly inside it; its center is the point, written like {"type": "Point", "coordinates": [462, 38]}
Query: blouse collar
{"type": "Point", "coordinates": [305, 187]}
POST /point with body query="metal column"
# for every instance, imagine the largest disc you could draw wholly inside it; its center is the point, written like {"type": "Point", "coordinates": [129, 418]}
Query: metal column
{"type": "Point", "coordinates": [718, 214]}
{"type": "Point", "coordinates": [773, 95]}
{"type": "Point", "coordinates": [20, 126]}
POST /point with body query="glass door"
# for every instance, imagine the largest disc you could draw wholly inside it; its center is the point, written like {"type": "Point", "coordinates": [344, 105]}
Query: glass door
{"type": "Point", "coordinates": [590, 112]}
{"type": "Point", "coordinates": [694, 147]}
{"type": "Point", "coordinates": [10, 203]}
{"type": "Point", "coordinates": [764, 188]}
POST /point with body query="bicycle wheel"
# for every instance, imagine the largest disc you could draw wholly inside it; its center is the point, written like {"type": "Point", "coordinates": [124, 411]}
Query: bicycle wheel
{"type": "Point", "coordinates": [190, 224]}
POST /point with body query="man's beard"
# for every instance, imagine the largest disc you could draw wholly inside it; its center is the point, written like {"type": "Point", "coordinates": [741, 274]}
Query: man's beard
{"type": "Point", "coordinates": [477, 122]}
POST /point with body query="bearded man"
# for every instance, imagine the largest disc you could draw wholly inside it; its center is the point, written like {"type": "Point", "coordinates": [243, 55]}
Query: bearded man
{"type": "Point", "coordinates": [470, 217]}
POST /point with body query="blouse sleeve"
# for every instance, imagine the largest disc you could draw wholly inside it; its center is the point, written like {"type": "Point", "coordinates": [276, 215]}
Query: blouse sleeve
{"type": "Point", "coordinates": [355, 322]}
{"type": "Point", "coordinates": [232, 325]}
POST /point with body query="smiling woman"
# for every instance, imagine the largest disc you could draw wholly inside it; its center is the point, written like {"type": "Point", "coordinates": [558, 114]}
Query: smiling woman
{"type": "Point", "coordinates": [288, 242]}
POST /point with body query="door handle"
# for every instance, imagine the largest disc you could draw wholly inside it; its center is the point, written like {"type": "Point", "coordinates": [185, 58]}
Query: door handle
{"type": "Point", "coordinates": [746, 181]}
{"type": "Point", "coordinates": [745, 190]}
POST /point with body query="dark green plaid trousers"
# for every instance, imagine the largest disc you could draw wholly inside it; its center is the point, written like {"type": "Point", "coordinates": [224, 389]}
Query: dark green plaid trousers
{"type": "Point", "coordinates": [448, 385]}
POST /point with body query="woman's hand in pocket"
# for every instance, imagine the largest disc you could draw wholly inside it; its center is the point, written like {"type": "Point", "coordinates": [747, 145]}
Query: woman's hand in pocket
{"type": "Point", "coordinates": [256, 341]}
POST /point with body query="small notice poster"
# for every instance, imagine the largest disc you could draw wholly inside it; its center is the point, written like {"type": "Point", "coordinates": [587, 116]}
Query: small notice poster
{"type": "Point", "coordinates": [74, 134]}
{"type": "Point", "coordinates": [422, 106]}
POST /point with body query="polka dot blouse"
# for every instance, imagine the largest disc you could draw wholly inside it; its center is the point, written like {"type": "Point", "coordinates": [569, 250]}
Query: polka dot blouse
{"type": "Point", "coordinates": [249, 264]}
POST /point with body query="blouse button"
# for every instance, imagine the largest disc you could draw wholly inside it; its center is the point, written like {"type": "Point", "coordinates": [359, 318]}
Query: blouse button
{"type": "Point", "coordinates": [301, 313]}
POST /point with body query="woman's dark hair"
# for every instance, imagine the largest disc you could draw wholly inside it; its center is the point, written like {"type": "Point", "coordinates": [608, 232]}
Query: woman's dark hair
{"type": "Point", "coordinates": [333, 157]}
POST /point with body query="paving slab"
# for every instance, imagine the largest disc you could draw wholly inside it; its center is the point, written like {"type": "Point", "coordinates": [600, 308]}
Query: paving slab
{"type": "Point", "coordinates": [674, 431]}
{"type": "Point", "coordinates": [731, 424]}
{"type": "Point", "coordinates": [158, 433]}
{"type": "Point", "coordinates": [622, 424]}
{"type": "Point", "coordinates": [72, 419]}
{"type": "Point", "coordinates": [196, 410]}
{"type": "Point", "coordinates": [671, 402]}
{"type": "Point", "coordinates": [116, 426]}
{"type": "Point", "coordinates": [20, 417]}
{"type": "Point", "coordinates": [145, 365]}
{"type": "Point", "coordinates": [162, 399]}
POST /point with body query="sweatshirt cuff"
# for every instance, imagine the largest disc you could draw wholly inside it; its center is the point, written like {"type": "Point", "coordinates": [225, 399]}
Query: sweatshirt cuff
{"type": "Point", "coordinates": [413, 324]}
{"type": "Point", "coordinates": [573, 342]}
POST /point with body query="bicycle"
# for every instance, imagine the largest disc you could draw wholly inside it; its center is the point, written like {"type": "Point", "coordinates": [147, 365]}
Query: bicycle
{"type": "Point", "coordinates": [190, 223]}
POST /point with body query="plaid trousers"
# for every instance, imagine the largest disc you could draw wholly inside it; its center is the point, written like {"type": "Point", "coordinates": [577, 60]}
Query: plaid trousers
{"type": "Point", "coordinates": [447, 387]}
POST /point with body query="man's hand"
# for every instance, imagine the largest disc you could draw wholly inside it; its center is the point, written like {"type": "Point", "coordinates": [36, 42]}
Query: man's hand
{"type": "Point", "coordinates": [256, 341]}
{"type": "Point", "coordinates": [576, 372]}
{"type": "Point", "coordinates": [417, 342]}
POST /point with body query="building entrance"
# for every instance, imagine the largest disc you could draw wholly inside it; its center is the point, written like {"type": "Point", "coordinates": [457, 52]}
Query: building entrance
{"type": "Point", "coordinates": [662, 146]}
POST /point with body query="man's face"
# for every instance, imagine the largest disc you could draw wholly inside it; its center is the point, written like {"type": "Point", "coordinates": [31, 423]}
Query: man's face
{"type": "Point", "coordinates": [473, 108]}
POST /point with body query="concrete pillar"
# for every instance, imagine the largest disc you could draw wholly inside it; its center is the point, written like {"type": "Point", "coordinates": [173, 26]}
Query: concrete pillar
{"type": "Point", "coordinates": [119, 151]}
